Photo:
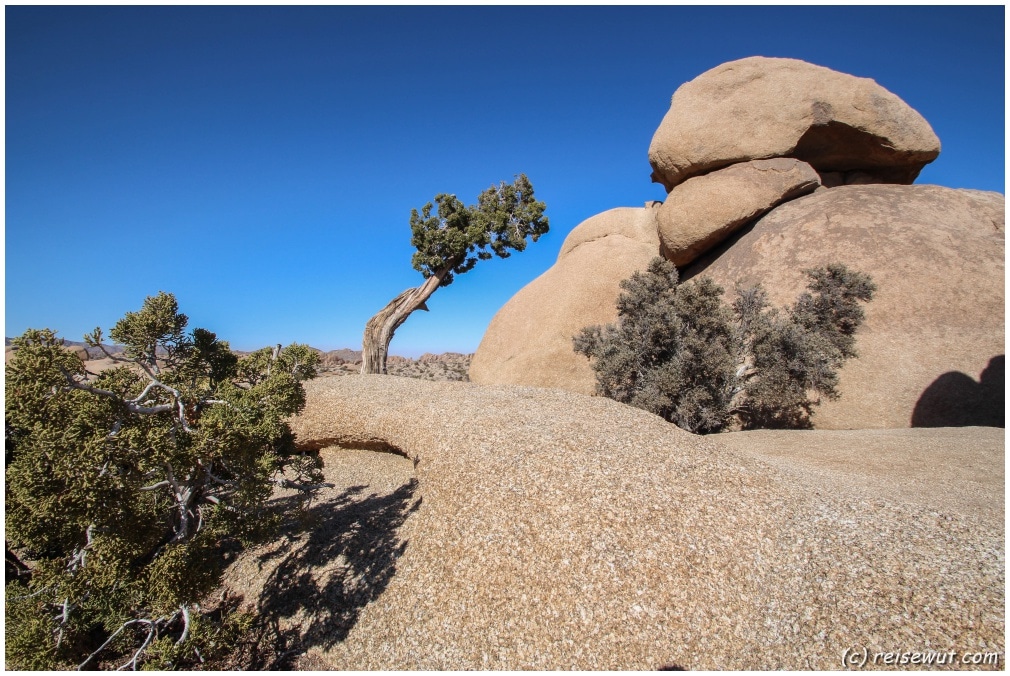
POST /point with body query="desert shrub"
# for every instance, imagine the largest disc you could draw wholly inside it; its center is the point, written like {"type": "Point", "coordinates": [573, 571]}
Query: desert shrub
{"type": "Point", "coordinates": [679, 351]}
{"type": "Point", "coordinates": [125, 491]}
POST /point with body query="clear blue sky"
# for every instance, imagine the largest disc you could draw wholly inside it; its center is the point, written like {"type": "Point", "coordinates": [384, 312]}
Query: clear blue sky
{"type": "Point", "coordinates": [261, 163]}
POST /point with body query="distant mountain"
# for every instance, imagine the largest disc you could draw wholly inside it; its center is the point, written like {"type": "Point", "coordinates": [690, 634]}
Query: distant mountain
{"type": "Point", "coordinates": [93, 352]}
{"type": "Point", "coordinates": [343, 355]}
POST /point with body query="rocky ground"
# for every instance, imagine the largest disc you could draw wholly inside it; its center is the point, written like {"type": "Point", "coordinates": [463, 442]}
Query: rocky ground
{"type": "Point", "coordinates": [445, 366]}
{"type": "Point", "coordinates": [506, 527]}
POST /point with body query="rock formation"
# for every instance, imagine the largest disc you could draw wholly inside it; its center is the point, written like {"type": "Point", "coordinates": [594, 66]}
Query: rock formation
{"type": "Point", "coordinates": [529, 340]}
{"type": "Point", "coordinates": [550, 530]}
{"type": "Point", "coordinates": [705, 210]}
{"type": "Point", "coordinates": [739, 151]}
{"type": "Point", "coordinates": [936, 255]}
{"type": "Point", "coordinates": [754, 108]}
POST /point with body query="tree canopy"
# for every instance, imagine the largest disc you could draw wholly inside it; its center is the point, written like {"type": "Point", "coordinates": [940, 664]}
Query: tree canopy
{"type": "Point", "coordinates": [126, 489]}
{"type": "Point", "coordinates": [449, 243]}
{"type": "Point", "coordinates": [457, 236]}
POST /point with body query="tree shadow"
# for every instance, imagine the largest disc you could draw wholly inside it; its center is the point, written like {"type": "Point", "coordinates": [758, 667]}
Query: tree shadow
{"type": "Point", "coordinates": [956, 400]}
{"type": "Point", "coordinates": [332, 562]}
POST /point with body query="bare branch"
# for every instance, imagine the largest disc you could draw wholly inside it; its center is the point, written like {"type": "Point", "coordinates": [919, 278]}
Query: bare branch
{"type": "Point", "coordinates": [65, 615]}
{"type": "Point", "coordinates": [182, 414]}
{"type": "Point", "coordinates": [221, 401]}
{"type": "Point", "coordinates": [150, 635]}
{"type": "Point", "coordinates": [29, 596]}
{"type": "Point", "coordinates": [80, 555]}
{"type": "Point", "coordinates": [150, 385]}
{"type": "Point", "coordinates": [153, 374]}
{"type": "Point", "coordinates": [95, 341]}
{"type": "Point", "coordinates": [274, 356]}
{"type": "Point", "coordinates": [154, 487]}
{"type": "Point", "coordinates": [185, 625]}
{"type": "Point", "coordinates": [183, 496]}
{"type": "Point", "coordinates": [108, 354]}
{"type": "Point", "coordinates": [108, 641]}
{"type": "Point", "coordinates": [133, 408]}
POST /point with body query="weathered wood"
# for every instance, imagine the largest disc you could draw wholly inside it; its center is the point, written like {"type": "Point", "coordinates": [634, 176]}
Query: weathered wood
{"type": "Point", "coordinates": [380, 329]}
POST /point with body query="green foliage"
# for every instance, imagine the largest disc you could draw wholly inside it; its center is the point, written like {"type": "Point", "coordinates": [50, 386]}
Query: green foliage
{"type": "Point", "coordinates": [458, 236]}
{"type": "Point", "coordinates": [209, 642]}
{"type": "Point", "coordinates": [678, 351]}
{"type": "Point", "coordinates": [124, 490]}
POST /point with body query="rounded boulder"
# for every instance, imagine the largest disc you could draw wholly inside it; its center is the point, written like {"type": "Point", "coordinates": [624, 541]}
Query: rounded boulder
{"type": "Point", "coordinates": [933, 337]}
{"type": "Point", "coordinates": [850, 129]}
{"type": "Point", "coordinates": [704, 210]}
{"type": "Point", "coordinates": [529, 340]}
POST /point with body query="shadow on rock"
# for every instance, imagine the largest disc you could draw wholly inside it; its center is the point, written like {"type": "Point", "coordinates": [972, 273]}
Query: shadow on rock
{"type": "Point", "coordinates": [957, 400]}
{"type": "Point", "coordinates": [337, 559]}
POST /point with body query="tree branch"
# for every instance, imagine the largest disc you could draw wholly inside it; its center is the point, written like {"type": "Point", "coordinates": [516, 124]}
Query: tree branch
{"type": "Point", "coordinates": [108, 354]}
{"type": "Point", "coordinates": [182, 499]}
{"type": "Point", "coordinates": [133, 407]}
{"type": "Point", "coordinates": [30, 596]}
{"type": "Point", "coordinates": [109, 640]}
{"type": "Point", "coordinates": [65, 618]}
{"type": "Point", "coordinates": [79, 556]}
{"type": "Point", "coordinates": [185, 625]}
{"type": "Point", "coordinates": [154, 487]}
{"type": "Point", "coordinates": [150, 634]}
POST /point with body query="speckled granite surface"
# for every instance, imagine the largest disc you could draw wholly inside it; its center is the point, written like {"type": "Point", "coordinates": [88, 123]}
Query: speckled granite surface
{"type": "Point", "coordinates": [561, 531]}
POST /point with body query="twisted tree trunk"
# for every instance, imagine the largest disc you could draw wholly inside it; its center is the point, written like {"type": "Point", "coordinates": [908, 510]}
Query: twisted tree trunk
{"type": "Point", "coordinates": [380, 328]}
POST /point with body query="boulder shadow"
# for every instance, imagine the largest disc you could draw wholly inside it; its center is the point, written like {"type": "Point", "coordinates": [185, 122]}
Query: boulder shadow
{"type": "Point", "coordinates": [332, 562]}
{"type": "Point", "coordinates": [955, 399]}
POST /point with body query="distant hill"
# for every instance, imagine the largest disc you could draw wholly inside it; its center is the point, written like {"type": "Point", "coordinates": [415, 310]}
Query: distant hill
{"type": "Point", "coordinates": [445, 366]}
{"type": "Point", "coordinates": [344, 355]}
{"type": "Point", "coordinates": [93, 352]}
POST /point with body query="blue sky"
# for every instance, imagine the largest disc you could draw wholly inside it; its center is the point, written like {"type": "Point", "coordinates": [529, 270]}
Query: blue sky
{"type": "Point", "coordinates": [261, 163]}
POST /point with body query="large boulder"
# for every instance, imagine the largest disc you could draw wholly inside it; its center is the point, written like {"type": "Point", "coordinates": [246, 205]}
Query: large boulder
{"type": "Point", "coordinates": [529, 341]}
{"type": "Point", "coordinates": [704, 210]}
{"type": "Point", "coordinates": [849, 128]}
{"type": "Point", "coordinates": [934, 333]}
{"type": "Point", "coordinates": [549, 530]}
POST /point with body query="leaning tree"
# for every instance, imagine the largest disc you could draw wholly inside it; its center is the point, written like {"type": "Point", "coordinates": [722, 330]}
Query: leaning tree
{"type": "Point", "coordinates": [450, 243]}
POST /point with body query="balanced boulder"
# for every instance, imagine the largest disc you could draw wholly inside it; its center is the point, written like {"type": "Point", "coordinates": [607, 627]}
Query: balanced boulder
{"type": "Point", "coordinates": [529, 341]}
{"type": "Point", "coordinates": [935, 328]}
{"type": "Point", "coordinates": [704, 210]}
{"type": "Point", "coordinates": [850, 129]}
